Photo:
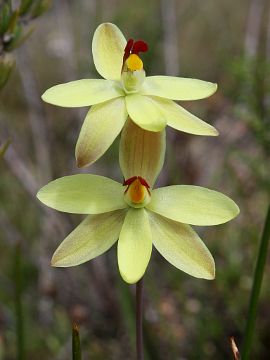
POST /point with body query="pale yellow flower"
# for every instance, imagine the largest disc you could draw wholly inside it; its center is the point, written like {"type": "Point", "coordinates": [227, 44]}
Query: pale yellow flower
{"type": "Point", "coordinates": [136, 214]}
{"type": "Point", "coordinates": [126, 91]}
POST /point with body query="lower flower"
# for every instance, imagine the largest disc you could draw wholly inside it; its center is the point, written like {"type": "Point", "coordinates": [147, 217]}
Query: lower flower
{"type": "Point", "coordinates": [138, 217]}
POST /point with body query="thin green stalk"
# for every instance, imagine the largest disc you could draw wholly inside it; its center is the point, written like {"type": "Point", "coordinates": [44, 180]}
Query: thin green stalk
{"type": "Point", "coordinates": [255, 293]}
{"type": "Point", "coordinates": [18, 303]}
{"type": "Point", "coordinates": [139, 319]}
{"type": "Point", "coordinates": [76, 344]}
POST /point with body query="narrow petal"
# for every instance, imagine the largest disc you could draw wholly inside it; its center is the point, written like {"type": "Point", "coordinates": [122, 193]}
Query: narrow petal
{"type": "Point", "coordinates": [134, 245]}
{"type": "Point", "coordinates": [108, 49]}
{"type": "Point", "coordinates": [145, 112]}
{"type": "Point", "coordinates": [193, 205]}
{"type": "Point", "coordinates": [100, 128]}
{"type": "Point", "coordinates": [95, 235]}
{"type": "Point", "coordinates": [141, 152]}
{"type": "Point", "coordinates": [180, 119]}
{"type": "Point", "coordinates": [181, 246]}
{"type": "Point", "coordinates": [177, 88]}
{"type": "Point", "coordinates": [83, 92]}
{"type": "Point", "coordinates": [83, 194]}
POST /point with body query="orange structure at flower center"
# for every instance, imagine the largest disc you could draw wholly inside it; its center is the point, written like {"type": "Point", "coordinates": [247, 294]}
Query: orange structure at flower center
{"type": "Point", "coordinates": [137, 193]}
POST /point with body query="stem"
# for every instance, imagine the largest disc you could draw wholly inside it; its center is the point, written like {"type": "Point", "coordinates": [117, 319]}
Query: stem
{"type": "Point", "coordinates": [254, 298]}
{"type": "Point", "coordinates": [139, 319]}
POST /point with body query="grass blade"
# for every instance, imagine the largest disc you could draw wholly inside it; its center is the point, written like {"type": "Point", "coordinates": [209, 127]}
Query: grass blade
{"type": "Point", "coordinates": [255, 293]}
{"type": "Point", "coordinates": [76, 344]}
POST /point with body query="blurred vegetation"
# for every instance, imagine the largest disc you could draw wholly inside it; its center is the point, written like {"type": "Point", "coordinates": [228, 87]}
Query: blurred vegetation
{"type": "Point", "coordinates": [225, 42]}
{"type": "Point", "coordinates": [15, 28]}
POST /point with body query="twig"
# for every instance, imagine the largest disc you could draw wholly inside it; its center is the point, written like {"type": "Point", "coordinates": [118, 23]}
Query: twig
{"type": "Point", "coordinates": [236, 354]}
{"type": "Point", "coordinates": [253, 27]}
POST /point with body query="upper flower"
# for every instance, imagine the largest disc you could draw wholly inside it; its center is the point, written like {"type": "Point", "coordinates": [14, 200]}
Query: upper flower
{"type": "Point", "coordinates": [127, 92]}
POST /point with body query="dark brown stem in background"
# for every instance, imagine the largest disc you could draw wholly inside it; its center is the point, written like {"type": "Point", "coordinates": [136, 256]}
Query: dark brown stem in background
{"type": "Point", "coordinates": [139, 319]}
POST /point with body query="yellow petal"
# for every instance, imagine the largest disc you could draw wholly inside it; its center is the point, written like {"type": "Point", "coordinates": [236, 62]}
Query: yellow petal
{"type": "Point", "coordinates": [108, 49]}
{"type": "Point", "coordinates": [180, 119]}
{"type": "Point", "coordinates": [134, 245]}
{"type": "Point", "coordinates": [100, 128]}
{"type": "Point", "coordinates": [193, 205]}
{"type": "Point", "coordinates": [83, 194]}
{"type": "Point", "coordinates": [145, 112]}
{"type": "Point", "coordinates": [141, 152]}
{"type": "Point", "coordinates": [83, 92]}
{"type": "Point", "coordinates": [181, 246]}
{"type": "Point", "coordinates": [176, 88]}
{"type": "Point", "coordinates": [95, 235]}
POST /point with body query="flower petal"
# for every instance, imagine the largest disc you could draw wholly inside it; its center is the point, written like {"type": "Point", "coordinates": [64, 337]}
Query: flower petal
{"type": "Point", "coordinates": [100, 128]}
{"type": "Point", "coordinates": [83, 194]}
{"type": "Point", "coordinates": [145, 112]}
{"type": "Point", "coordinates": [193, 205]}
{"type": "Point", "coordinates": [134, 245]}
{"type": "Point", "coordinates": [95, 235]}
{"type": "Point", "coordinates": [141, 152]}
{"type": "Point", "coordinates": [83, 92]}
{"type": "Point", "coordinates": [108, 50]}
{"type": "Point", "coordinates": [177, 88]}
{"type": "Point", "coordinates": [180, 119]}
{"type": "Point", "coordinates": [182, 247]}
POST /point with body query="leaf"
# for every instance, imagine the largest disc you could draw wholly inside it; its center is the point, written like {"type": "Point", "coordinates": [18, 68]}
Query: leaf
{"type": "Point", "coordinates": [40, 7]}
{"type": "Point", "coordinates": [25, 6]}
{"type": "Point", "coordinates": [19, 37]}
{"type": "Point", "coordinates": [4, 147]}
{"type": "Point", "coordinates": [5, 14]}
{"type": "Point", "coordinates": [7, 64]}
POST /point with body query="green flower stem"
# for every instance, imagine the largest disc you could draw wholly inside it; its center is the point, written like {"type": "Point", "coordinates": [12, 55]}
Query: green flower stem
{"type": "Point", "coordinates": [139, 319]}
{"type": "Point", "coordinates": [76, 344]}
{"type": "Point", "coordinates": [18, 303]}
{"type": "Point", "coordinates": [254, 298]}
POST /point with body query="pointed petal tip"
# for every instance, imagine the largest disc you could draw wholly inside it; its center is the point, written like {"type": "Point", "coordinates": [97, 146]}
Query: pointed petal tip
{"type": "Point", "coordinates": [53, 262]}
{"type": "Point", "coordinates": [81, 163]}
{"type": "Point", "coordinates": [130, 280]}
{"type": "Point", "coordinates": [212, 274]}
{"type": "Point", "coordinates": [56, 262]}
{"type": "Point", "coordinates": [214, 89]}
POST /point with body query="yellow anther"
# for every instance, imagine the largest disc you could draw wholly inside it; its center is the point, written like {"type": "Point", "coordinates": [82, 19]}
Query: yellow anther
{"type": "Point", "coordinates": [134, 63]}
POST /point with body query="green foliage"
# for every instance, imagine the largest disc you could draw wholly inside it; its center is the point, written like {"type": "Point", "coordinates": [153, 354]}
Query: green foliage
{"type": "Point", "coordinates": [256, 289]}
{"type": "Point", "coordinates": [76, 344]}
{"type": "Point", "coordinates": [15, 29]}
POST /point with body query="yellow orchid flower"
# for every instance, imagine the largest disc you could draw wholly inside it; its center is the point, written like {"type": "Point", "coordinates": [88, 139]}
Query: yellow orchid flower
{"type": "Point", "coordinates": [136, 214]}
{"type": "Point", "coordinates": [126, 91]}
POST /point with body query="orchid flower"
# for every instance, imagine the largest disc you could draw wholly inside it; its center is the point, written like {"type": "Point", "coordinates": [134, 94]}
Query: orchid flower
{"type": "Point", "coordinates": [136, 214]}
{"type": "Point", "coordinates": [126, 91]}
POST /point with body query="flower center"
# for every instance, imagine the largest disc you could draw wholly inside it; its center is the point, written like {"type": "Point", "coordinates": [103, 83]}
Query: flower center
{"type": "Point", "coordinates": [133, 74]}
{"type": "Point", "coordinates": [137, 193]}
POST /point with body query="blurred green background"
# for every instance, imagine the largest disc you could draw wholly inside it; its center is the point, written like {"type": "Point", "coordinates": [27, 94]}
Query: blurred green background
{"type": "Point", "coordinates": [224, 41]}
